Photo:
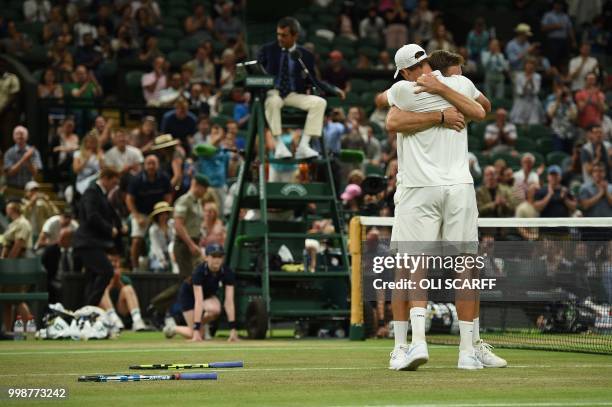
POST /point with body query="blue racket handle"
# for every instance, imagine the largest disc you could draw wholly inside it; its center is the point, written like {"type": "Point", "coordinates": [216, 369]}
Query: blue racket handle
{"type": "Point", "coordinates": [219, 365]}
{"type": "Point", "coordinates": [197, 376]}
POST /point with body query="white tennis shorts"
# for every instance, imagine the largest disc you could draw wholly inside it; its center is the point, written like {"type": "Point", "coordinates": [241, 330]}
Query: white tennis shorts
{"type": "Point", "coordinates": [438, 213]}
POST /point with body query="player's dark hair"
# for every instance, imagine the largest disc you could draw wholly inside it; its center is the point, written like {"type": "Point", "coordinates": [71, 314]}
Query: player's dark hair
{"type": "Point", "coordinates": [442, 60]}
{"type": "Point", "coordinates": [109, 173]}
{"type": "Point", "coordinates": [292, 23]}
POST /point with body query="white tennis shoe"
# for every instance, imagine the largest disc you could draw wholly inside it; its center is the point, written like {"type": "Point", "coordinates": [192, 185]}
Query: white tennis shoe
{"type": "Point", "coordinates": [468, 360]}
{"type": "Point", "coordinates": [486, 356]}
{"type": "Point", "coordinates": [409, 358]}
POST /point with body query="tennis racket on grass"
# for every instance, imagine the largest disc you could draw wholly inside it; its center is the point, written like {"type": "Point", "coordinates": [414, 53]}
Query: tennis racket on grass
{"type": "Point", "coordinates": [177, 366]}
{"type": "Point", "coordinates": [147, 378]}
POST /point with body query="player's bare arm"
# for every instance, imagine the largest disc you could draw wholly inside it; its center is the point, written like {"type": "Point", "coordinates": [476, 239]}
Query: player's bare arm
{"type": "Point", "coordinates": [470, 108]}
{"type": "Point", "coordinates": [411, 122]}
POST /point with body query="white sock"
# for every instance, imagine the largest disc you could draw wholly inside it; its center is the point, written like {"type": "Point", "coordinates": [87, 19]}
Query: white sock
{"type": "Point", "coordinates": [135, 314]}
{"type": "Point", "coordinates": [400, 331]}
{"type": "Point", "coordinates": [476, 334]}
{"type": "Point", "coordinates": [417, 321]}
{"type": "Point", "coordinates": [112, 315]}
{"type": "Point", "coordinates": [466, 330]}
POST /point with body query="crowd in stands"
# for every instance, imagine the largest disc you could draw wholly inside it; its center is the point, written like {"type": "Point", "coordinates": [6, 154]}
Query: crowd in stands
{"type": "Point", "coordinates": [544, 152]}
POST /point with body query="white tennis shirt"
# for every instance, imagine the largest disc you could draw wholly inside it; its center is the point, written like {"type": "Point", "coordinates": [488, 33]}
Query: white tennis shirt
{"type": "Point", "coordinates": [436, 156]}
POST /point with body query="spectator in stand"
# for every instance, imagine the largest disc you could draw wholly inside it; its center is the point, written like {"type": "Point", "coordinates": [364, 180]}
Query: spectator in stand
{"type": "Point", "coordinates": [599, 36]}
{"type": "Point", "coordinates": [562, 113]}
{"type": "Point", "coordinates": [16, 42]}
{"type": "Point", "coordinates": [216, 166]}
{"type": "Point", "coordinates": [84, 89]}
{"type": "Point", "coordinates": [572, 167]}
{"type": "Point", "coordinates": [161, 234]}
{"type": "Point", "coordinates": [17, 239]}
{"type": "Point", "coordinates": [36, 11]}
{"type": "Point", "coordinates": [396, 19]}
{"type": "Point", "coordinates": [21, 163]}
{"type": "Point", "coordinates": [61, 60]}
{"type": "Point", "coordinates": [199, 24]}
{"type": "Point", "coordinates": [49, 88]}
{"type": "Point", "coordinates": [597, 150]}
{"type": "Point", "coordinates": [55, 26]}
{"type": "Point", "coordinates": [175, 90]}
{"type": "Point", "coordinates": [145, 190]}
{"type": "Point", "coordinates": [180, 122]}
{"type": "Point", "coordinates": [9, 109]}
{"type": "Point", "coordinates": [557, 26]}
{"type": "Point", "coordinates": [82, 27]}
{"type": "Point", "coordinates": [581, 66]}
{"type": "Point", "coordinates": [203, 133]}
{"type": "Point", "coordinates": [442, 40]}
{"type": "Point", "coordinates": [50, 233]}
{"type": "Point", "coordinates": [554, 200]}
{"type": "Point", "coordinates": [526, 176]}
{"type": "Point", "coordinates": [16, 243]}
{"type": "Point", "coordinates": [87, 162]}
{"type": "Point", "coordinates": [518, 48]}
{"type": "Point", "coordinates": [63, 146]}
{"type": "Point", "coordinates": [37, 207]}
{"type": "Point", "coordinates": [596, 196]}
{"type": "Point", "coordinates": [145, 23]}
{"type": "Point", "coordinates": [171, 161]}
{"type": "Point", "coordinates": [478, 40]}
{"type": "Point", "coordinates": [227, 74]}
{"type": "Point", "coordinates": [227, 27]}
{"type": "Point", "coordinates": [591, 103]}
{"type": "Point", "coordinates": [363, 61]}
{"type": "Point", "coordinates": [154, 81]}
{"type": "Point", "coordinates": [123, 158]}
{"type": "Point", "coordinates": [213, 229]}
{"type": "Point", "coordinates": [336, 73]}
{"type": "Point", "coordinates": [500, 136]}
{"type": "Point", "coordinates": [202, 66]}
{"type": "Point", "coordinates": [495, 66]}
{"type": "Point", "coordinates": [527, 108]}
{"type": "Point", "coordinates": [345, 27]}
{"type": "Point", "coordinates": [102, 129]}
{"type": "Point", "coordinates": [494, 200]}
{"type": "Point", "coordinates": [372, 26]}
{"type": "Point", "coordinates": [469, 67]}
{"type": "Point", "coordinates": [421, 22]}
{"type": "Point", "coordinates": [104, 18]}
{"type": "Point", "coordinates": [142, 137]}
{"type": "Point", "coordinates": [125, 45]}
{"type": "Point", "coordinates": [197, 101]}
{"type": "Point", "coordinates": [384, 61]}
{"type": "Point", "coordinates": [88, 54]}
{"type": "Point", "coordinates": [150, 50]}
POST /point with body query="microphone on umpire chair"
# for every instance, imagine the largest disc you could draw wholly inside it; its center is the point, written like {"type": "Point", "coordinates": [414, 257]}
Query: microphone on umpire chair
{"type": "Point", "coordinates": [296, 55]}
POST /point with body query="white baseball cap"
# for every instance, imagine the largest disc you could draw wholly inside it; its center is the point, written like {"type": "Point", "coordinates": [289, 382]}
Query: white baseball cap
{"type": "Point", "coordinates": [407, 56]}
{"type": "Point", "coordinates": [31, 185]}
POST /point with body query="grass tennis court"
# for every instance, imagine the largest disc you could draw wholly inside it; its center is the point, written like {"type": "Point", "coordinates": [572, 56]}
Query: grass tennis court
{"type": "Point", "coordinates": [301, 373]}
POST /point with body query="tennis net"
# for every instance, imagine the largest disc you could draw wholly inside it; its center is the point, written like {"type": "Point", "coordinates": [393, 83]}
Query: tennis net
{"type": "Point", "coordinates": [551, 283]}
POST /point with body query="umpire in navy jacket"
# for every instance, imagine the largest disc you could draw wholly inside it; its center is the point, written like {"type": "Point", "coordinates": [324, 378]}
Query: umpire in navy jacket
{"type": "Point", "coordinates": [98, 229]}
{"type": "Point", "coordinates": [290, 85]}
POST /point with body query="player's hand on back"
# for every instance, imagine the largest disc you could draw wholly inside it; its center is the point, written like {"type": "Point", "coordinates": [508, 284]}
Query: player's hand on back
{"type": "Point", "coordinates": [428, 83]}
{"type": "Point", "coordinates": [453, 119]}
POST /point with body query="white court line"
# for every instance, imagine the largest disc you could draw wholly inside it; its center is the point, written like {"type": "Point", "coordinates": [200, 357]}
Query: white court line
{"type": "Point", "coordinates": [527, 404]}
{"type": "Point", "coordinates": [324, 368]}
{"type": "Point", "coordinates": [228, 348]}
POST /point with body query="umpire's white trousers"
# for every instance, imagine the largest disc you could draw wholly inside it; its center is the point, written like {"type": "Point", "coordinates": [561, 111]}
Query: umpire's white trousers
{"type": "Point", "coordinates": [314, 105]}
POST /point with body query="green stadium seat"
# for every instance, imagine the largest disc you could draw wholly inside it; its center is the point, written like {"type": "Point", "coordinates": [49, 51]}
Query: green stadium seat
{"type": "Point", "coordinates": [189, 44]}
{"type": "Point", "coordinates": [360, 85]}
{"type": "Point", "coordinates": [178, 12]}
{"type": "Point", "coordinates": [352, 98]}
{"type": "Point", "coordinates": [221, 120]}
{"type": "Point", "coordinates": [380, 85]}
{"type": "Point", "coordinates": [539, 158]}
{"type": "Point", "coordinates": [343, 41]}
{"type": "Point", "coordinates": [537, 131]}
{"type": "Point", "coordinates": [347, 51]}
{"type": "Point", "coordinates": [369, 42]}
{"type": "Point", "coordinates": [108, 68]}
{"type": "Point", "coordinates": [544, 145]}
{"type": "Point", "coordinates": [370, 52]}
{"type": "Point", "coordinates": [173, 33]}
{"type": "Point", "coordinates": [371, 169]}
{"type": "Point", "coordinates": [556, 157]}
{"type": "Point", "coordinates": [133, 83]}
{"type": "Point", "coordinates": [483, 159]}
{"type": "Point", "coordinates": [227, 108]}
{"type": "Point", "coordinates": [171, 22]}
{"type": "Point", "coordinates": [525, 144]}
{"type": "Point", "coordinates": [474, 144]}
{"type": "Point", "coordinates": [477, 129]}
{"type": "Point", "coordinates": [367, 98]}
{"type": "Point", "coordinates": [505, 103]}
{"type": "Point", "coordinates": [327, 20]}
{"type": "Point", "coordinates": [178, 58]}
{"type": "Point", "coordinates": [36, 55]}
{"type": "Point", "coordinates": [166, 44]}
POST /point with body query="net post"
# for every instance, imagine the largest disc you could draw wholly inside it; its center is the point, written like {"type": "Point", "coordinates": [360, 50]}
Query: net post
{"type": "Point", "coordinates": [356, 232]}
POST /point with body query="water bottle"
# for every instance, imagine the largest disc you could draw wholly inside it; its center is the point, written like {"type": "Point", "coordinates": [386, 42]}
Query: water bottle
{"type": "Point", "coordinates": [18, 329]}
{"type": "Point", "coordinates": [31, 328]}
